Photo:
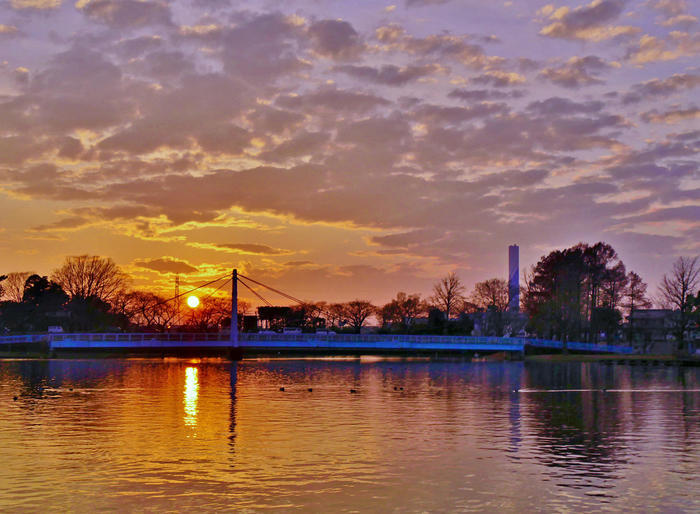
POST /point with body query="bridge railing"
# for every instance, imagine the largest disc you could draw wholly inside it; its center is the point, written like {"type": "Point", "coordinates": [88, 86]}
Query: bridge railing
{"type": "Point", "coordinates": [31, 338]}
{"type": "Point", "coordinates": [317, 337]}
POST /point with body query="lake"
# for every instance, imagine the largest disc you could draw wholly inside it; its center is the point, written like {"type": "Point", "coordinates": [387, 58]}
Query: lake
{"type": "Point", "coordinates": [415, 436]}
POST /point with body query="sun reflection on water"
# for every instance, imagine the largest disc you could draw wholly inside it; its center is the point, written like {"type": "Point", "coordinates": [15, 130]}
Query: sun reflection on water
{"type": "Point", "coordinates": [190, 397]}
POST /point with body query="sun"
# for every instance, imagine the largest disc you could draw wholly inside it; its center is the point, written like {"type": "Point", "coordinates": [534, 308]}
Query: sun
{"type": "Point", "coordinates": [192, 301]}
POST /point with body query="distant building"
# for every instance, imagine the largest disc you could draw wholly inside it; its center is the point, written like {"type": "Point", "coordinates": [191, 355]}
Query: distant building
{"type": "Point", "coordinates": [513, 278]}
{"type": "Point", "coordinates": [650, 330]}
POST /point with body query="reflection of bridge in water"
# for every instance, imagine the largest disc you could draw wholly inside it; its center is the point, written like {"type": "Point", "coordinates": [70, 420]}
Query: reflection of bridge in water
{"type": "Point", "coordinates": [312, 343]}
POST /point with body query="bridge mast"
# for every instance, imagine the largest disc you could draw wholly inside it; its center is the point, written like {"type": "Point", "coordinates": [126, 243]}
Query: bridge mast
{"type": "Point", "coordinates": [234, 308]}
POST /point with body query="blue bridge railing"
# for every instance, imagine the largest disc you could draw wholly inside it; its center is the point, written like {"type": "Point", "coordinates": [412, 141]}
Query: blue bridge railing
{"type": "Point", "coordinates": [316, 339]}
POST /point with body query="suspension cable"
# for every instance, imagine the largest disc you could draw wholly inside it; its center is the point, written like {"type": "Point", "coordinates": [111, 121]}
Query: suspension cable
{"type": "Point", "coordinates": [254, 292]}
{"type": "Point", "coordinates": [187, 292]}
{"type": "Point", "coordinates": [215, 290]}
{"type": "Point", "coordinates": [290, 297]}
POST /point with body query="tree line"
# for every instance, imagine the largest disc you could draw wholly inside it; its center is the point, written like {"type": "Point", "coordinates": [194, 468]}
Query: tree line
{"type": "Point", "coordinates": [575, 294]}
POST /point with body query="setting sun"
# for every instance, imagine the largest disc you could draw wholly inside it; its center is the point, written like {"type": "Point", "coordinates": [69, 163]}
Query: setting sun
{"type": "Point", "coordinates": [192, 301]}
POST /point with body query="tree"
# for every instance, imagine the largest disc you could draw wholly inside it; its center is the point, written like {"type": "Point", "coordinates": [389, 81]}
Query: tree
{"type": "Point", "coordinates": [635, 298]}
{"type": "Point", "coordinates": [491, 293]}
{"type": "Point", "coordinates": [337, 316]}
{"type": "Point", "coordinates": [210, 315]}
{"type": "Point", "coordinates": [44, 301]}
{"type": "Point", "coordinates": [85, 276]}
{"type": "Point", "coordinates": [14, 285]}
{"type": "Point", "coordinates": [491, 298]}
{"type": "Point", "coordinates": [448, 293]}
{"type": "Point", "coordinates": [402, 311]}
{"type": "Point", "coordinates": [565, 290]}
{"type": "Point", "coordinates": [676, 291]}
{"type": "Point", "coordinates": [357, 312]}
{"type": "Point", "coordinates": [2, 289]}
{"type": "Point", "coordinates": [148, 311]}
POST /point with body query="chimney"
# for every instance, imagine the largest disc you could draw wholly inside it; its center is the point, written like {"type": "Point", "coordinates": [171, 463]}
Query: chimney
{"type": "Point", "coordinates": [513, 278]}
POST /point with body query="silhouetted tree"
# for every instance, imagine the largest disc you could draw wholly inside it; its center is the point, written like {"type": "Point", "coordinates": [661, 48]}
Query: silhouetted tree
{"type": "Point", "coordinates": [337, 316]}
{"type": "Point", "coordinates": [209, 315]}
{"type": "Point", "coordinates": [676, 291]}
{"type": "Point", "coordinates": [44, 303]}
{"type": "Point", "coordinates": [402, 311]}
{"type": "Point", "coordinates": [566, 287]}
{"type": "Point", "coordinates": [91, 276]}
{"type": "Point", "coordinates": [448, 294]}
{"type": "Point", "coordinates": [14, 285]}
{"type": "Point", "coordinates": [357, 312]}
{"type": "Point", "coordinates": [635, 298]}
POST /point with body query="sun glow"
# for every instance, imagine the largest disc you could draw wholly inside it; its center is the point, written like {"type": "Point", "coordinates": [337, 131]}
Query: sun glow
{"type": "Point", "coordinates": [192, 301]}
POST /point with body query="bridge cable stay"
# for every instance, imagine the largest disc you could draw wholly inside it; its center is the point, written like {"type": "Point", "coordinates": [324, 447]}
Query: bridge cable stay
{"type": "Point", "coordinates": [285, 295]}
{"type": "Point", "coordinates": [188, 292]}
{"type": "Point", "coordinates": [254, 292]}
{"type": "Point", "coordinates": [215, 290]}
{"type": "Point", "coordinates": [288, 296]}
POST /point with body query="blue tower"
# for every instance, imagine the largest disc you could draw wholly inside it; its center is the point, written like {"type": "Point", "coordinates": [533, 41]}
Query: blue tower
{"type": "Point", "coordinates": [513, 278]}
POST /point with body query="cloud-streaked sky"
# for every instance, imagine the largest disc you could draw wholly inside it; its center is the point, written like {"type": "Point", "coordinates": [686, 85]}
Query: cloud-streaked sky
{"type": "Point", "coordinates": [346, 149]}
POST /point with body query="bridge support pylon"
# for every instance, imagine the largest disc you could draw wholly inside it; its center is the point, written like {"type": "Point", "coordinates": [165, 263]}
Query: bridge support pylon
{"type": "Point", "coordinates": [236, 352]}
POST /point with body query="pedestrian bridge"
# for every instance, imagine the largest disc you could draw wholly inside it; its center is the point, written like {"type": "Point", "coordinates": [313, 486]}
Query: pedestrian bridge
{"type": "Point", "coordinates": [313, 342]}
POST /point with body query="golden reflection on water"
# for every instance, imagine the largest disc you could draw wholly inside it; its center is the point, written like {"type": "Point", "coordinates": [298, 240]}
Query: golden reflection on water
{"type": "Point", "coordinates": [190, 396]}
{"type": "Point", "coordinates": [413, 436]}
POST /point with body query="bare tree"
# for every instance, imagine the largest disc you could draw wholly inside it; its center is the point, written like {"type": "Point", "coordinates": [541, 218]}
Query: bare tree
{"type": "Point", "coordinates": [337, 315]}
{"type": "Point", "coordinates": [491, 293]}
{"type": "Point", "coordinates": [14, 285]}
{"type": "Point", "coordinates": [448, 294]}
{"type": "Point", "coordinates": [402, 310]}
{"type": "Point", "coordinates": [635, 298]}
{"type": "Point", "coordinates": [209, 315]}
{"type": "Point", "coordinates": [357, 312]}
{"type": "Point", "coordinates": [90, 275]}
{"type": "Point", "coordinates": [675, 290]}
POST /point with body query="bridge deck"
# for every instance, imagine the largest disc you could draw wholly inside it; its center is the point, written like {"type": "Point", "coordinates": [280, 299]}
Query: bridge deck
{"type": "Point", "coordinates": [354, 342]}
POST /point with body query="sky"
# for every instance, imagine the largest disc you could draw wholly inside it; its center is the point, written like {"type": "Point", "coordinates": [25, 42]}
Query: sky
{"type": "Point", "coordinates": [346, 149]}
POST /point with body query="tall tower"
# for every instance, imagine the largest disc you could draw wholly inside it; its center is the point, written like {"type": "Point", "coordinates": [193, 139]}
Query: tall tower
{"type": "Point", "coordinates": [513, 278]}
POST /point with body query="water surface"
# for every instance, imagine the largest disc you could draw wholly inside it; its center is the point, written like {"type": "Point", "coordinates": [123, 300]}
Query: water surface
{"type": "Point", "coordinates": [415, 436]}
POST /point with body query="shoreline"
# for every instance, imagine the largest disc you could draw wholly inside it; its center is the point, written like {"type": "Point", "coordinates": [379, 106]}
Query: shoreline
{"type": "Point", "coordinates": [552, 358]}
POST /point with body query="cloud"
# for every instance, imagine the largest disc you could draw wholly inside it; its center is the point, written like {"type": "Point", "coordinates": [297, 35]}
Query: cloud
{"type": "Point", "coordinates": [394, 38]}
{"type": "Point", "coordinates": [333, 99]}
{"type": "Point", "coordinates": [8, 30]}
{"type": "Point", "coordinates": [336, 39]}
{"type": "Point", "coordinates": [481, 95]}
{"type": "Point", "coordinates": [252, 248]}
{"type": "Point", "coordinates": [71, 223]}
{"type": "Point", "coordinates": [298, 263]}
{"type": "Point", "coordinates": [653, 49]}
{"type": "Point", "coordinates": [499, 79]}
{"type": "Point", "coordinates": [425, 3]}
{"type": "Point", "coordinates": [303, 143]}
{"type": "Point", "coordinates": [166, 265]}
{"type": "Point", "coordinates": [670, 7]}
{"type": "Point", "coordinates": [388, 74]}
{"type": "Point", "coordinates": [672, 116]}
{"type": "Point", "coordinates": [587, 22]}
{"type": "Point", "coordinates": [261, 48]}
{"type": "Point", "coordinates": [35, 4]}
{"type": "Point", "coordinates": [684, 21]}
{"type": "Point", "coordinates": [661, 87]}
{"type": "Point", "coordinates": [576, 72]}
{"type": "Point", "coordinates": [563, 106]}
{"type": "Point", "coordinates": [125, 14]}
